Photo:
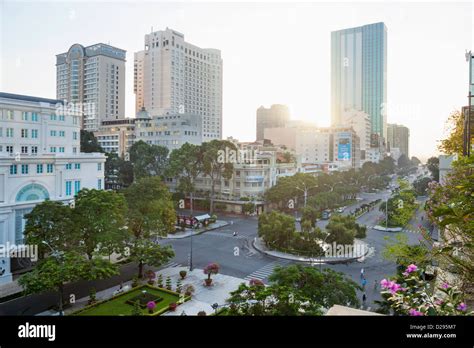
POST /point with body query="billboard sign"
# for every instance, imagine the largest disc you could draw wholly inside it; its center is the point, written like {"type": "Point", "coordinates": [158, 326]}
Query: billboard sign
{"type": "Point", "coordinates": [344, 147]}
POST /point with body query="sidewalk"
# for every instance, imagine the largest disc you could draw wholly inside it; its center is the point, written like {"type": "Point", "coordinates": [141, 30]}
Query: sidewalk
{"type": "Point", "coordinates": [188, 231]}
{"type": "Point", "coordinates": [361, 248]}
{"type": "Point", "coordinates": [202, 299]}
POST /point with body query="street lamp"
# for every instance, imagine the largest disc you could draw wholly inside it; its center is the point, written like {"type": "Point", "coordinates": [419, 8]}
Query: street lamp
{"type": "Point", "coordinates": [192, 232]}
{"type": "Point", "coordinates": [305, 191]}
{"type": "Point", "coordinates": [214, 307]}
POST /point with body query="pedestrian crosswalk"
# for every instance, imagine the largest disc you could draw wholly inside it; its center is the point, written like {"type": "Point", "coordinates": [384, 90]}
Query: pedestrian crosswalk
{"type": "Point", "coordinates": [266, 271]}
{"type": "Point", "coordinates": [170, 264]}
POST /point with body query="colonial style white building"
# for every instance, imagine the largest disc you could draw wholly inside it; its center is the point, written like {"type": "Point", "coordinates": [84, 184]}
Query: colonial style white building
{"type": "Point", "coordinates": [40, 159]}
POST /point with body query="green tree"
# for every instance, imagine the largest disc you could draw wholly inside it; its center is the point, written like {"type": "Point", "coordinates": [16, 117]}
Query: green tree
{"type": "Point", "coordinates": [52, 273]}
{"type": "Point", "coordinates": [99, 219]}
{"type": "Point", "coordinates": [216, 165]}
{"type": "Point", "coordinates": [50, 222]}
{"type": "Point", "coordinates": [453, 144]}
{"type": "Point", "coordinates": [148, 160]}
{"type": "Point", "coordinates": [433, 167]}
{"type": "Point", "coordinates": [421, 186]}
{"type": "Point", "coordinates": [185, 164]}
{"type": "Point", "coordinates": [326, 288]}
{"type": "Point", "coordinates": [451, 207]}
{"type": "Point", "coordinates": [118, 172]}
{"type": "Point", "coordinates": [403, 161]}
{"type": "Point", "coordinates": [89, 142]}
{"type": "Point", "coordinates": [293, 291]}
{"type": "Point", "coordinates": [150, 214]}
{"type": "Point", "coordinates": [310, 215]}
{"type": "Point", "coordinates": [415, 161]}
{"type": "Point", "coordinates": [343, 229]}
{"type": "Point", "coordinates": [276, 229]}
{"type": "Point", "coordinates": [399, 250]}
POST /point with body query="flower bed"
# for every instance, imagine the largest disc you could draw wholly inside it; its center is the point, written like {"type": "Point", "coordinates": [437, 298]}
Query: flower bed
{"type": "Point", "coordinates": [120, 304]}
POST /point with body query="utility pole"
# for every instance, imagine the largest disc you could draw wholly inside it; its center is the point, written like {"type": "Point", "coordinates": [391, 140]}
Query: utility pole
{"type": "Point", "coordinates": [192, 232]}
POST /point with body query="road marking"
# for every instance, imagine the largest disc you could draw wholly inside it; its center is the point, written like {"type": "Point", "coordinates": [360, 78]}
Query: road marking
{"type": "Point", "coordinates": [170, 264]}
{"type": "Point", "coordinates": [265, 271]}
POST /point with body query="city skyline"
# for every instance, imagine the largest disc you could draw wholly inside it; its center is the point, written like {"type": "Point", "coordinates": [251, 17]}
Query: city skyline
{"type": "Point", "coordinates": [253, 55]}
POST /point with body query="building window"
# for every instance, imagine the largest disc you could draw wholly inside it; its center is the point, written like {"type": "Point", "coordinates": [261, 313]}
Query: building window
{"type": "Point", "coordinates": [34, 117]}
{"type": "Point", "coordinates": [77, 186]}
{"type": "Point", "coordinates": [77, 166]}
{"type": "Point", "coordinates": [34, 133]}
{"type": "Point", "coordinates": [62, 133]}
{"type": "Point", "coordinates": [24, 133]}
{"type": "Point", "coordinates": [68, 188]}
{"type": "Point", "coordinates": [74, 150]}
{"type": "Point", "coordinates": [24, 149]}
{"type": "Point", "coordinates": [61, 149]}
{"type": "Point", "coordinates": [39, 169]}
{"type": "Point", "coordinates": [9, 148]}
{"type": "Point", "coordinates": [52, 117]}
{"type": "Point", "coordinates": [68, 166]}
{"type": "Point", "coordinates": [52, 149]}
{"type": "Point", "coordinates": [49, 168]}
{"type": "Point", "coordinates": [74, 135]}
{"type": "Point", "coordinates": [99, 184]}
{"type": "Point", "coordinates": [99, 166]}
{"type": "Point", "coordinates": [24, 169]}
{"type": "Point", "coordinates": [10, 115]}
{"type": "Point", "coordinates": [9, 132]}
{"type": "Point", "coordinates": [61, 118]}
{"type": "Point", "coordinates": [52, 133]}
{"type": "Point", "coordinates": [13, 169]}
{"type": "Point", "coordinates": [24, 116]}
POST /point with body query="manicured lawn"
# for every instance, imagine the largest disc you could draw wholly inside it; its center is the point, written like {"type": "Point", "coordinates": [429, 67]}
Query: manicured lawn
{"type": "Point", "coordinates": [118, 305]}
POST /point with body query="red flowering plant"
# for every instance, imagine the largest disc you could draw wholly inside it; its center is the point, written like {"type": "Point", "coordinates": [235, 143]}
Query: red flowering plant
{"type": "Point", "coordinates": [410, 294]}
{"type": "Point", "coordinates": [212, 268]}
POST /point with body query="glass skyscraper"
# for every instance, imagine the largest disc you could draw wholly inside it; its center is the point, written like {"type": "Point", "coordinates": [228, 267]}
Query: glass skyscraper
{"type": "Point", "coordinates": [359, 74]}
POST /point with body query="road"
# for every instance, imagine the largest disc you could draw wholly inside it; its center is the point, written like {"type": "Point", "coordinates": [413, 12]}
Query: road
{"type": "Point", "coordinates": [237, 258]}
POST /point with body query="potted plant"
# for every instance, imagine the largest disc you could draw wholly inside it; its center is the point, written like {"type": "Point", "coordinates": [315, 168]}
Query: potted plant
{"type": "Point", "coordinates": [172, 306]}
{"type": "Point", "coordinates": [178, 286]}
{"type": "Point", "coordinates": [212, 268]}
{"type": "Point", "coordinates": [168, 283]}
{"type": "Point", "coordinates": [183, 274]}
{"type": "Point", "coordinates": [160, 281]}
{"type": "Point", "coordinates": [189, 290]}
{"type": "Point", "coordinates": [151, 306]}
{"type": "Point", "coordinates": [151, 276]}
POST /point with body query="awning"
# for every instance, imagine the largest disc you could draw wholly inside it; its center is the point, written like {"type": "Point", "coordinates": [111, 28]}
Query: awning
{"type": "Point", "coordinates": [202, 217]}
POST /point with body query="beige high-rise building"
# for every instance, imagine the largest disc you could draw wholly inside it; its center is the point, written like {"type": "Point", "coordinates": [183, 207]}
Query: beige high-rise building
{"type": "Point", "coordinates": [93, 78]}
{"type": "Point", "coordinates": [398, 136]}
{"type": "Point", "coordinates": [172, 76]}
{"type": "Point", "coordinates": [275, 116]}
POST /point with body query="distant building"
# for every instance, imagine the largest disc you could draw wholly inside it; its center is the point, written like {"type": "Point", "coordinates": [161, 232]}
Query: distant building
{"type": "Point", "coordinates": [398, 136]}
{"type": "Point", "coordinates": [360, 122]}
{"type": "Point", "coordinates": [39, 160]}
{"type": "Point", "coordinates": [93, 78]}
{"type": "Point", "coordinates": [359, 74]}
{"type": "Point", "coordinates": [172, 77]}
{"type": "Point", "coordinates": [171, 131]}
{"type": "Point", "coordinates": [275, 116]}
{"type": "Point", "coordinates": [445, 166]}
{"type": "Point", "coordinates": [337, 145]}
{"type": "Point", "coordinates": [116, 136]}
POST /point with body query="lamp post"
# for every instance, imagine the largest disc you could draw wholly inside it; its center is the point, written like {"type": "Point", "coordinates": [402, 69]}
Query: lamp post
{"type": "Point", "coordinates": [305, 190]}
{"type": "Point", "coordinates": [192, 232]}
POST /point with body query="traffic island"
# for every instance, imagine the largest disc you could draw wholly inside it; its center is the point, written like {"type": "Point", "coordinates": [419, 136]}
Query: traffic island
{"type": "Point", "coordinates": [342, 253]}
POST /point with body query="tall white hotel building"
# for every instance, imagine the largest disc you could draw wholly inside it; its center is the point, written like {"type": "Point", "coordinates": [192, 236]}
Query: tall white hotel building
{"type": "Point", "coordinates": [173, 77]}
{"type": "Point", "coordinates": [93, 76]}
{"type": "Point", "coordinates": [40, 159]}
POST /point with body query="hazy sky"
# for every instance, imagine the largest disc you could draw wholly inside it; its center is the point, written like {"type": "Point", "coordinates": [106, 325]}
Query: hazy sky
{"type": "Point", "coordinates": [272, 52]}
